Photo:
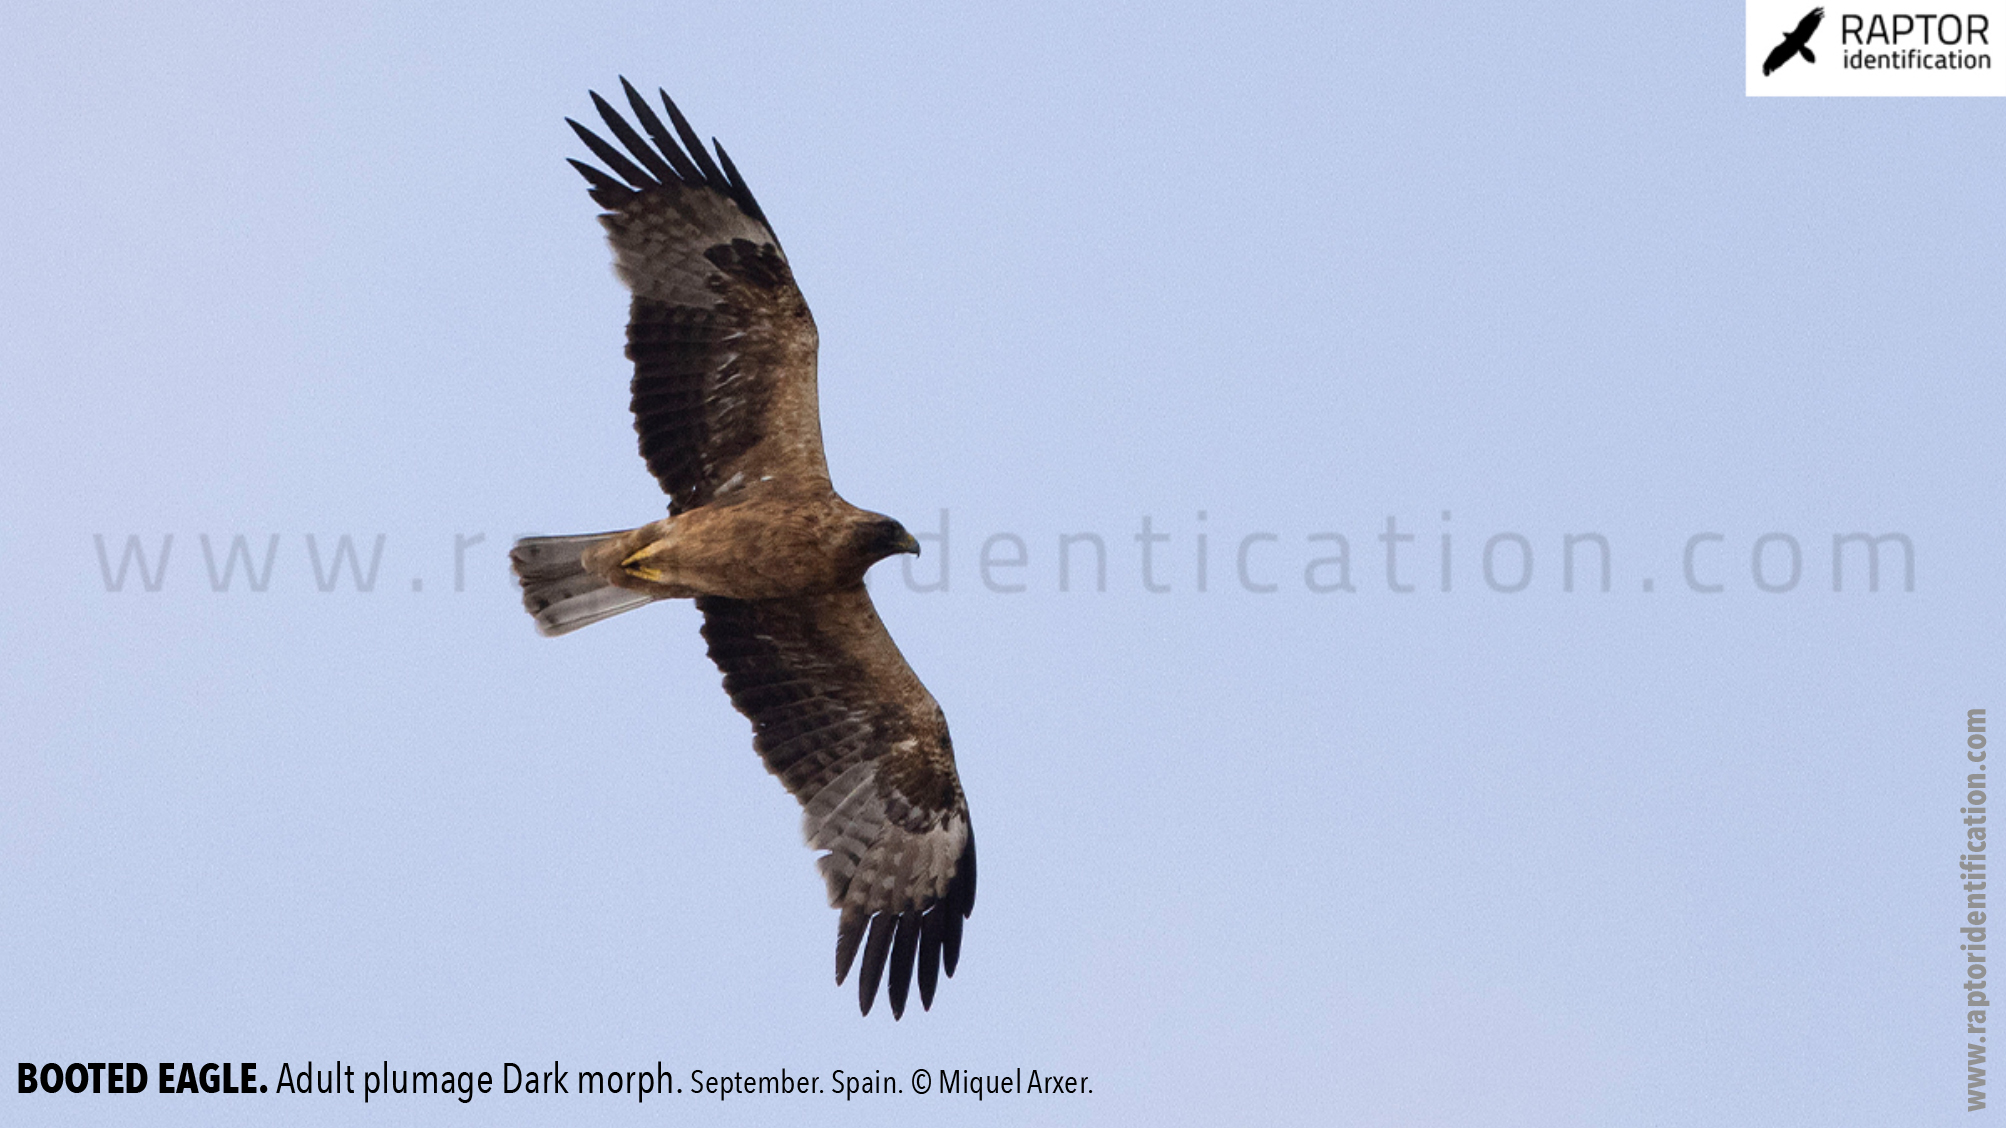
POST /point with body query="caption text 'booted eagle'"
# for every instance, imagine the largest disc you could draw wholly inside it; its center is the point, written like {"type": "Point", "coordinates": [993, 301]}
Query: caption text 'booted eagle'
{"type": "Point", "coordinates": [724, 400]}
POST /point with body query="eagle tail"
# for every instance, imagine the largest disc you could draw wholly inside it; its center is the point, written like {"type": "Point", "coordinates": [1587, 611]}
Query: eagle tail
{"type": "Point", "coordinates": [1808, 56]}
{"type": "Point", "coordinates": [557, 588]}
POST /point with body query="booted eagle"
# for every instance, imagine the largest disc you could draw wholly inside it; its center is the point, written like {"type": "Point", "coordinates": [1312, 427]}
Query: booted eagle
{"type": "Point", "coordinates": [724, 400]}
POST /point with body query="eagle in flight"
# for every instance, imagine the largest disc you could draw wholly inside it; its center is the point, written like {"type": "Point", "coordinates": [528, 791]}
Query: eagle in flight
{"type": "Point", "coordinates": [724, 401]}
{"type": "Point", "coordinates": [1796, 42]}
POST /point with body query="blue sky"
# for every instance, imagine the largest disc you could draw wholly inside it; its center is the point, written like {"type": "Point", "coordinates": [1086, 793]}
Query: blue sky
{"type": "Point", "coordinates": [1470, 856]}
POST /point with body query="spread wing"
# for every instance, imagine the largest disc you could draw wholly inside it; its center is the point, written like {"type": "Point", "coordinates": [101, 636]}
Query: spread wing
{"type": "Point", "coordinates": [1807, 25]}
{"type": "Point", "coordinates": [722, 343]}
{"type": "Point", "coordinates": [843, 721]}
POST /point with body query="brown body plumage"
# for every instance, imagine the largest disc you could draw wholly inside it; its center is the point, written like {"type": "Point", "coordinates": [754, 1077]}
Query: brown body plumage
{"type": "Point", "coordinates": [725, 403]}
{"type": "Point", "coordinates": [770, 542]}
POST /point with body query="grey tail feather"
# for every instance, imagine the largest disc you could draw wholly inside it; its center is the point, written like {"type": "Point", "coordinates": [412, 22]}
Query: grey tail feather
{"type": "Point", "coordinates": [558, 590]}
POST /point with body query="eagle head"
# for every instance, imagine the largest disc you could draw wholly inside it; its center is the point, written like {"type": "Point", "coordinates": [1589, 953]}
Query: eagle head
{"type": "Point", "coordinates": [878, 536]}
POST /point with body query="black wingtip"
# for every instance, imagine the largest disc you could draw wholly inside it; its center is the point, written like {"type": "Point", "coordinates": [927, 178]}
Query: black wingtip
{"type": "Point", "coordinates": [622, 167]}
{"type": "Point", "coordinates": [950, 944]}
{"type": "Point", "coordinates": [876, 949]}
{"type": "Point", "coordinates": [675, 156]}
{"type": "Point", "coordinates": [660, 170]}
{"type": "Point", "coordinates": [849, 934]}
{"type": "Point", "coordinates": [691, 142]}
{"type": "Point", "coordinates": [930, 929]}
{"type": "Point", "coordinates": [904, 946]}
{"type": "Point", "coordinates": [664, 140]}
{"type": "Point", "coordinates": [957, 906]}
{"type": "Point", "coordinates": [606, 191]}
{"type": "Point", "coordinates": [737, 186]}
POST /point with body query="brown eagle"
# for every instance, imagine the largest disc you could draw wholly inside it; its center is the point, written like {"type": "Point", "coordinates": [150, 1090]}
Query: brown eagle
{"type": "Point", "coordinates": [724, 400]}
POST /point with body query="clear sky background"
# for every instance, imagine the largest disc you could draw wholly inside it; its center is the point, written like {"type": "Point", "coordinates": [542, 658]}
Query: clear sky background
{"type": "Point", "coordinates": [1463, 857]}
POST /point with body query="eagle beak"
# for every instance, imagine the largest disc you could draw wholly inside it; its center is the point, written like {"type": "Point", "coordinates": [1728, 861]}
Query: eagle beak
{"type": "Point", "coordinates": [909, 543]}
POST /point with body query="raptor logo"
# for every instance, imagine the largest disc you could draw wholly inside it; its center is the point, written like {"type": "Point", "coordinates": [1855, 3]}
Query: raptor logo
{"type": "Point", "coordinates": [1795, 43]}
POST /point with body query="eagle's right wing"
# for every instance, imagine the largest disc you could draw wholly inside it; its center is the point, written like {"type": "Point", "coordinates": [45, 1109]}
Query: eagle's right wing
{"type": "Point", "coordinates": [841, 718]}
{"type": "Point", "coordinates": [722, 342]}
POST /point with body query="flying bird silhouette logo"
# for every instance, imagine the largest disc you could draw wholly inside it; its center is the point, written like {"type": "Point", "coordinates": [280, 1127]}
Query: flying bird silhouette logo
{"type": "Point", "coordinates": [1795, 43]}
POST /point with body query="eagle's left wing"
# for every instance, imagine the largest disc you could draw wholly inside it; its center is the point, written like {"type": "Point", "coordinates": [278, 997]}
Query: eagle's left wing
{"type": "Point", "coordinates": [841, 718]}
{"type": "Point", "coordinates": [722, 342]}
